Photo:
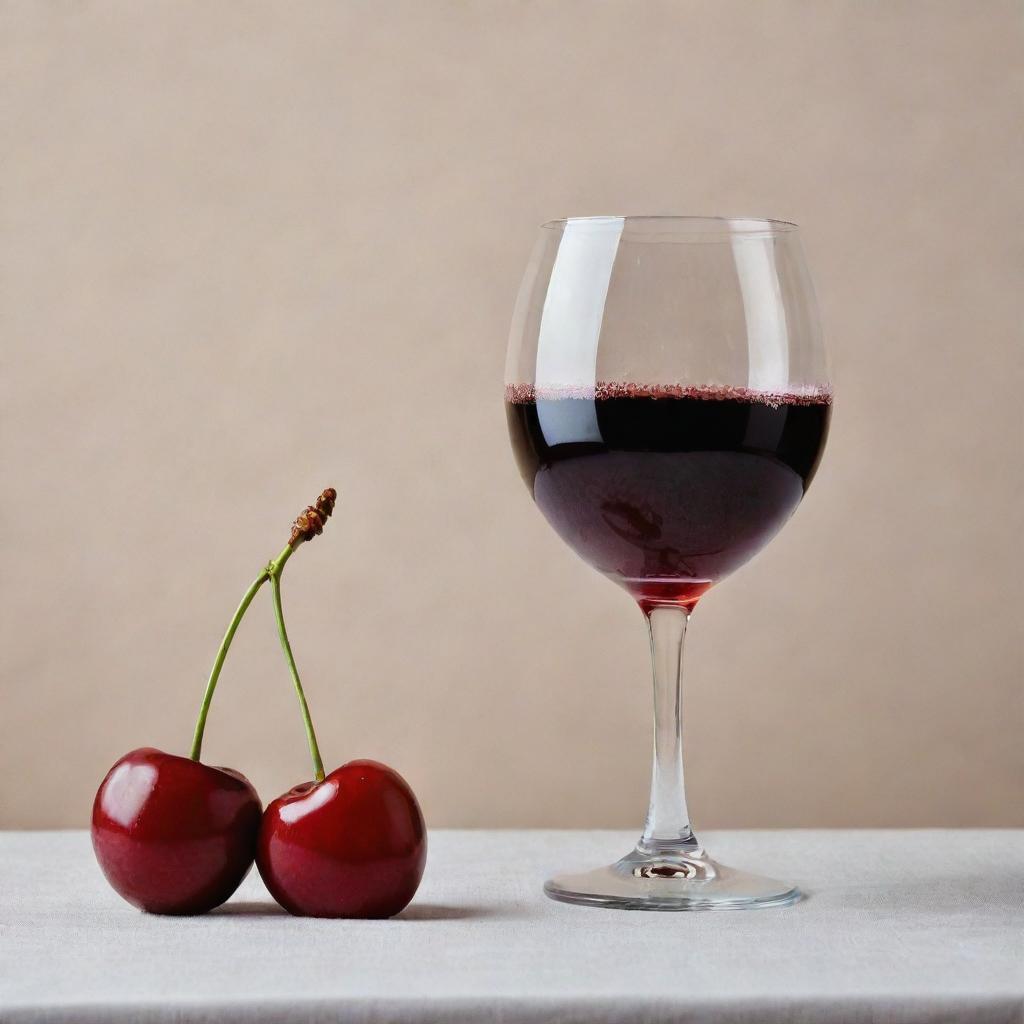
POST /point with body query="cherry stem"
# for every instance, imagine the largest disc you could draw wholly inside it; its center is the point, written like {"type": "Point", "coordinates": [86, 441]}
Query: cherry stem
{"type": "Point", "coordinates": [273, 573]}
{"type": "Point", "coordinates": [275, 569]}
{"type": "Point", "coordinates": [218, 664]}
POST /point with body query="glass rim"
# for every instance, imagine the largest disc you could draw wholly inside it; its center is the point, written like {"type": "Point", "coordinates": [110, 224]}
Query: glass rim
{"type": "Point", "coordinates": [677, 227]}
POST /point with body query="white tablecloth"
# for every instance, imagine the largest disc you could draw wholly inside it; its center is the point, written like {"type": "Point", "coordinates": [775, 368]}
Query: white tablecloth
{"type": "Point", "coordinates": [898, 926]}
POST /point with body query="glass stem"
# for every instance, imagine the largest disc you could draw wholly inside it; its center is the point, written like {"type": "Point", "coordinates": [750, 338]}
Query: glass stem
{"type": "Point", "coordinates": [668, 822]}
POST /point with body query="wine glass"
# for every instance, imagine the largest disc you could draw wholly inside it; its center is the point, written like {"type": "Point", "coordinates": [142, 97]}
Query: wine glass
{"type": "Point", "coordinates": [668, 401]}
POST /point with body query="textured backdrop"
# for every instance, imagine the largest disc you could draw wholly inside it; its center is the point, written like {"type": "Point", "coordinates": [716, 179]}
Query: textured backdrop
{"type": "Point", "coordinates": [249, 250]}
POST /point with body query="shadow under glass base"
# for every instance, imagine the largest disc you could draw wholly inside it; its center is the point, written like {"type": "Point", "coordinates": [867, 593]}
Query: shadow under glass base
{"type": "Point", "coordinates": [670, 881]}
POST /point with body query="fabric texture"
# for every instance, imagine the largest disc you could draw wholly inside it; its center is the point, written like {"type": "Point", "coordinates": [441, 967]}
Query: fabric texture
{"type": "Point", "coordinates": [910, 927]}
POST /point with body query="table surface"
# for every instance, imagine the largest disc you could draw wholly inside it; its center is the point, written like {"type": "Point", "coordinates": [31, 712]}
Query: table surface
{"type": "Point", "coordinates": [904, 926]}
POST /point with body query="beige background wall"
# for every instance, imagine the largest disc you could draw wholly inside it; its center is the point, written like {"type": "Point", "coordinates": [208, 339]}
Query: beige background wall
{"type": "Point", "coordinates": [250, 249]}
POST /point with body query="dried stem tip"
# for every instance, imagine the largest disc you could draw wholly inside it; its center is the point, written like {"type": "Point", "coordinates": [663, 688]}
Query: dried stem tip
{"type": "Point", "coordinates": [310, 523]}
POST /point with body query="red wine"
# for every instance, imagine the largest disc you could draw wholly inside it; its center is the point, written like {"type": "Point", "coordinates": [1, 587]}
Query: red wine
{"type": "Point", "coordinates": [666, 489]}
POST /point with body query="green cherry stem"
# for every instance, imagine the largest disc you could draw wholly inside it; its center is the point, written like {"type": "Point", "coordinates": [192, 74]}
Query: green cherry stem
{"type": "Point", "coordinates": [309, 524]}
{"type": "Point", "coordinates": [275, 569]}
{"type": "Point", "coordinates": [218, 664]}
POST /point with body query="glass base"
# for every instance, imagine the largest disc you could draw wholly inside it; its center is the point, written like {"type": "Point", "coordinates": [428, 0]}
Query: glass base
{"type": "Point", "coordinates": [687, 880]}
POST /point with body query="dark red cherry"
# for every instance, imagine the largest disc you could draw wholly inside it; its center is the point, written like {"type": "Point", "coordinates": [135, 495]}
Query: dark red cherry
{"type": "Point", "coordinates": [174, 836]}
{"type": "Point", "coordinates": [353, 845]}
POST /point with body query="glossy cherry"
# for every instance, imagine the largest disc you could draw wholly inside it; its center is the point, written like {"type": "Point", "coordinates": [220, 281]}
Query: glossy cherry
{"type": "Point", "coordinates": [174, 836]}
{"type": "Point", "coordinates": [353, 845]}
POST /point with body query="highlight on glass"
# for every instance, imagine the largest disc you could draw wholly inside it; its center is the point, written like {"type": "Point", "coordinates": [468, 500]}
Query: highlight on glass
{"type": "Point", "coordinates": [668, 401]}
